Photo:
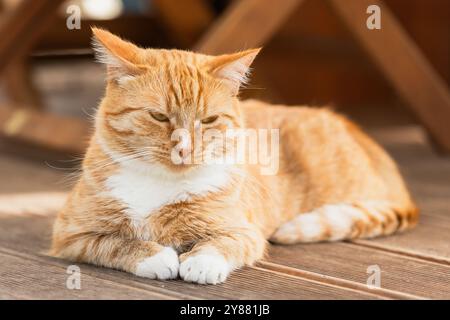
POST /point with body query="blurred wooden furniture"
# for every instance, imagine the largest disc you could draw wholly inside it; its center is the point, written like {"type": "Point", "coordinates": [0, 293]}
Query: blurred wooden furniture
{"type": "Point", "coordinates": [16, 76]}
{"type": "Point", "coordinates": [403, 65]}
{"type": "Point", "coordinates": [250, 23]}
{"type": "Point", "coordinates": [244, 24]}
{"type": "Point", "coordinates": [22, 119]}
{"type": "Point", "coordinates": [20, 28]}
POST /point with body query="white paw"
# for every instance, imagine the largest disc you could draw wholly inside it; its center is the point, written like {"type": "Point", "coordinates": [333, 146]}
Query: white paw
{"type": "Point", "coordinates": [163, 265]}
{"type": "Point", "coordinates": [205, 268]}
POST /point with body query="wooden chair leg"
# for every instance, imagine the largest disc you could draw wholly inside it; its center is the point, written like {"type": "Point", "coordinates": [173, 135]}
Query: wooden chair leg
{"type": "Point", "coordinates": [27, 21]}
{"type": "Point", "coordinates": [21, 27]}
{"type": "Point", "coordinates": [403, 64]}
{"type": "Point", "coordinates": [246, 24]}
{"type": "Point", "coordinates": [16, 77]}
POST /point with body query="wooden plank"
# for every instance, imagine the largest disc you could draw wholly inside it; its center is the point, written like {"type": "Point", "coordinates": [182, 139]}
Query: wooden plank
{"type": "Point", "coordinates": [109, 275]}
{"type": "Point", "coordinates": [403, 64]}
{"type": "Point", "coordinates": [30, 236]}
{"type": "Point", "coordinates": [247, 283]}
{"type": "Point", "coordinates": [246, 24]}
{"type": "Point", "coordinates": [348, 261]}
{"type": "Point", "coordinates": [185, 20]}
{"type": "Point", "coordinates": [430, 240]}
{"type": "Point", "coordinates": [28, 279]}
{"type": "Point", "coordinates": [26, 21]}
{"type": "Point", "coordinates": [47, 130]}
{"type": "Point", "coordinates": [242, 27]}
{"type": "Point", "coordinates": [30, 233]}
{"type": "Point", "coordinates": [429, 185]}
{"type": "Point", "coordinates": [32, 203]}
{"type": "Point", "coordinates": [22, 176]}
{"type": "Point", "coordinates": [339, 282]}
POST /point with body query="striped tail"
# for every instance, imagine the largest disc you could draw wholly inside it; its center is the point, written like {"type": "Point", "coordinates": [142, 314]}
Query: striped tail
{"type": "Point", "coordinates": [366, 219]}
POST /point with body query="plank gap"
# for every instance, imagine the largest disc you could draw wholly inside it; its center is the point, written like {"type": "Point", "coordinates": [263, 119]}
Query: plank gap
{"type": "Point", "coordinates": [165, 294]}
{"type": "Point", "coordinates": [337, 282]}
{"type": "Point", "coordinates": [400, 252]}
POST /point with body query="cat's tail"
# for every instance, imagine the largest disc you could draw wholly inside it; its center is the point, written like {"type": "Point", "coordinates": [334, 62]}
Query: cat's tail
{"type": "Point", "coordinates": [347, 221]}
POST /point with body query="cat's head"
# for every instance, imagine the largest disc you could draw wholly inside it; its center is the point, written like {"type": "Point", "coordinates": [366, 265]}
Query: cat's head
{"type": "Point", "coordinates": [155, 97]}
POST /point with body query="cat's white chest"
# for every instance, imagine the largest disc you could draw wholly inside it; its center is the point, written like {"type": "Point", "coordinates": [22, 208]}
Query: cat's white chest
{"type": "Point", "coordinates": [144, 192]}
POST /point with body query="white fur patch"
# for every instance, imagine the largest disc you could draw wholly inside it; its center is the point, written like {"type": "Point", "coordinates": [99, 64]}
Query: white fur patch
{"type": "Point", "coordinates": [163, 265]}
{"type": "Point", "coordinates": [145, 188]}
{"type": "Point", "coordinates": [205, 268]}
{"type": "Point", "coordinates": [306, 226]}
{"type": "Point", "coordinates": [145, 192]}
{"type": "Point", "coordinates": [235, 72]}
{"type": "Point", "coordinates": [339, 219]}
{"type": "Point", "coordinates": [310, 225]}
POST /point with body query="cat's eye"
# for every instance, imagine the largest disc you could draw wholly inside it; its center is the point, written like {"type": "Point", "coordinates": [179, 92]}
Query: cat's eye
{"type": "Point", "coordinates": [159, 117]}
{"type": "Point", "coordinates": [210, 119]}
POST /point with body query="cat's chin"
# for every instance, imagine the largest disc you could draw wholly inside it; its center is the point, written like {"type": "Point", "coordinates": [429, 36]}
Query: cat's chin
{"type": "Point", "coordinates": [182, 168]}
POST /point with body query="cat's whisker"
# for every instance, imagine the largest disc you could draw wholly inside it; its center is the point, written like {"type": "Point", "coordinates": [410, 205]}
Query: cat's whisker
{"type": "Point", "coordinates": [125, 158]}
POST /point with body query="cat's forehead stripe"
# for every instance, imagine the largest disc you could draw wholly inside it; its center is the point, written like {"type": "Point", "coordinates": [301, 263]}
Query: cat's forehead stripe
{"type": "Point", "coordinates": [185, 87]}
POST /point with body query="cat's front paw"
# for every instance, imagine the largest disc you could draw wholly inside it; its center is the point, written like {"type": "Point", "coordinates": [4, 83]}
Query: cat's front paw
{"type": "Point", "coordinates": [163, 265]}
{"type": "Point", "coordinates": [205, 269]}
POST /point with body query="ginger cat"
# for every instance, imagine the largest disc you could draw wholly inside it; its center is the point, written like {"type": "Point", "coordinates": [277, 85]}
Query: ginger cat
{"type": "Point", "coordinates": [133, 209]}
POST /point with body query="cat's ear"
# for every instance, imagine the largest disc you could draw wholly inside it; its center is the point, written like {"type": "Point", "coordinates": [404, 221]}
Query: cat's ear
{"type": "Point", "coordinates": [233, 68]}
{"type": "Point", "coordinates": [120, 56]}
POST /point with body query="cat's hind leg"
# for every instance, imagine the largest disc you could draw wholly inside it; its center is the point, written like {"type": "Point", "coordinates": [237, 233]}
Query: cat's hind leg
{"type": "Point", "coordinates": [365, 219]}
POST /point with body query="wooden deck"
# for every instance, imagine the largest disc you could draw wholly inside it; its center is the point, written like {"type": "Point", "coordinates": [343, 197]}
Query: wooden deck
{"type": "Point", "coordinates": [413, 265]}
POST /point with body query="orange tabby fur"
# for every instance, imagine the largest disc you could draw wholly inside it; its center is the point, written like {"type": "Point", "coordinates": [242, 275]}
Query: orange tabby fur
{"type": "Point", "coordinates": [333, 182]}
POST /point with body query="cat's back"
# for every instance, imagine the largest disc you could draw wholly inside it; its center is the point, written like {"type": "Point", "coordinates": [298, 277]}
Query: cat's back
{"type": "Point", "coordinates": [259, 114]}
{"type": "Point", "coordinates": [313, 136]}
{"type": "Point", "coordinates": [312, 128]}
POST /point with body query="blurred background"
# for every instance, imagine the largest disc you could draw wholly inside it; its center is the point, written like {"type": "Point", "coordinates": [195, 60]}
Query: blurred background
{"type": "Point", "coordinates": [393, 81]}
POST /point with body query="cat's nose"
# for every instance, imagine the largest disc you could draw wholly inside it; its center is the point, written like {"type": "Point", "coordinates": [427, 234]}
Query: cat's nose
{"type": "Point", "coordinates": [184, 152]}
{"type": "Point", "coordinates": [183, 146]}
